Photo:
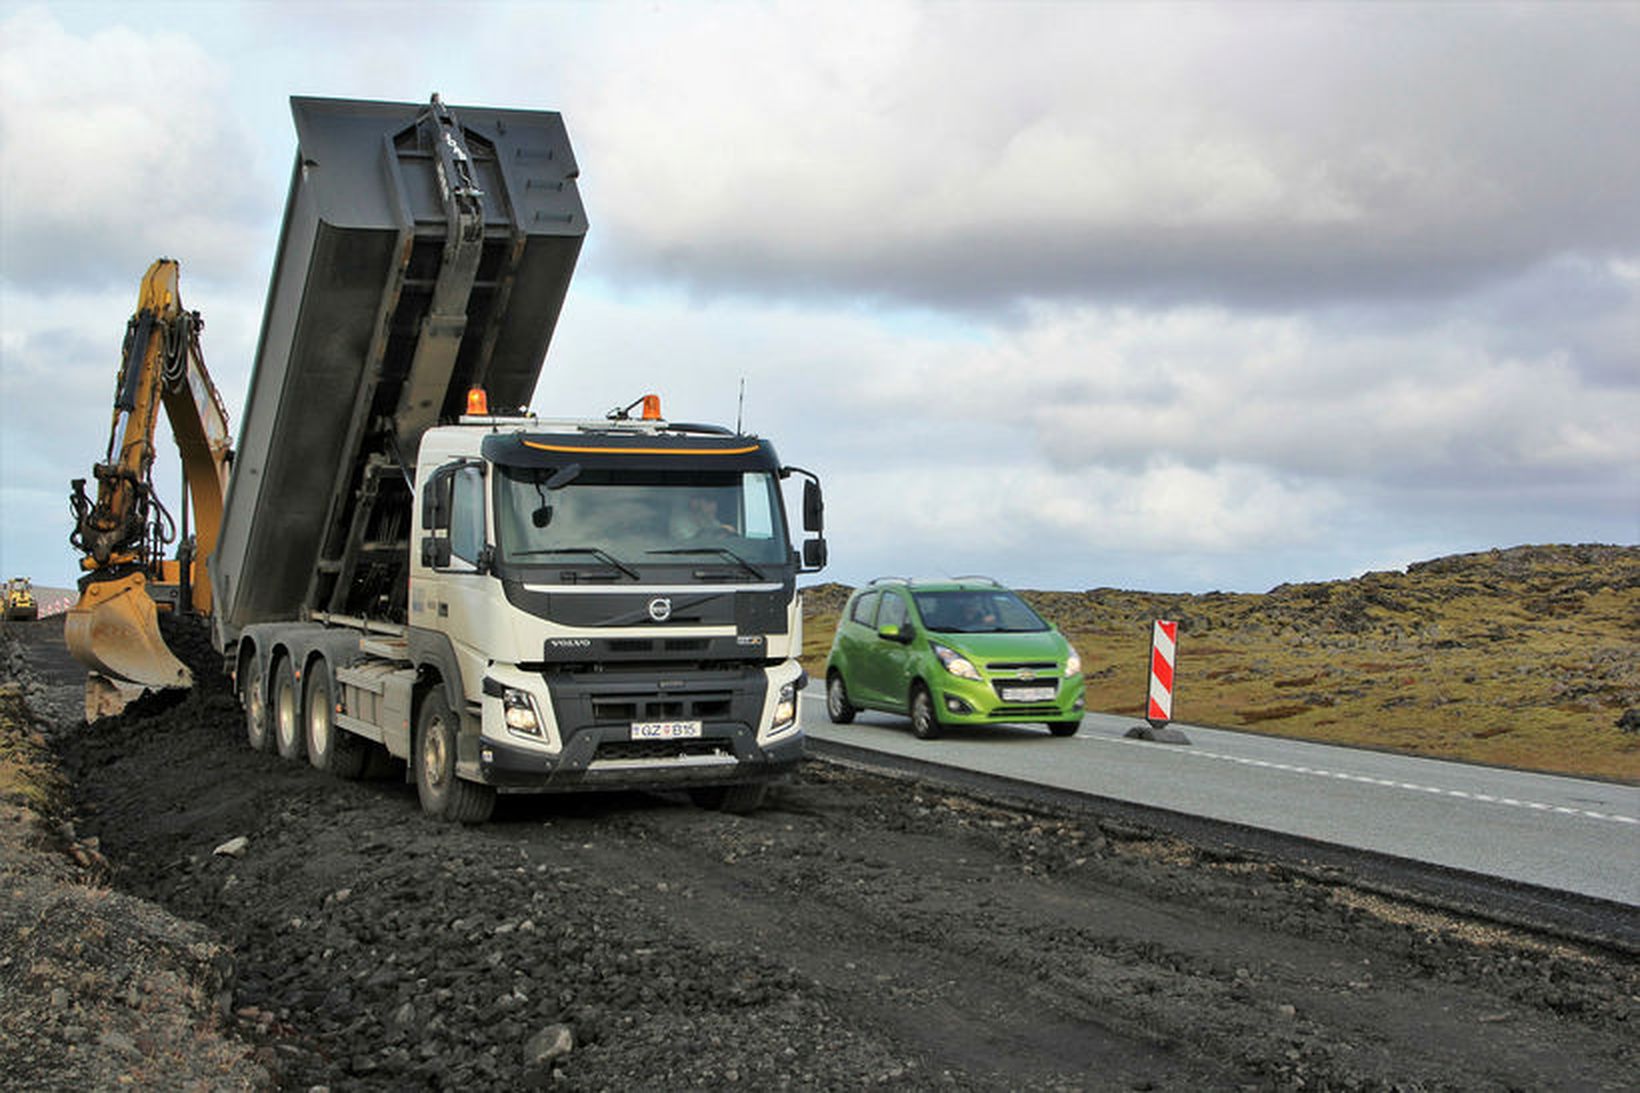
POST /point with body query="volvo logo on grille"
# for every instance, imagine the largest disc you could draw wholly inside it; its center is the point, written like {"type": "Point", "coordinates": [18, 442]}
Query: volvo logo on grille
{"type": "Point", "coordinates": [660, 608]}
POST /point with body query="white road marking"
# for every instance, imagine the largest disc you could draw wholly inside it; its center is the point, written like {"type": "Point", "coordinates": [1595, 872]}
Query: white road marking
{"type": "Point", "coordinates": [1414, 787]}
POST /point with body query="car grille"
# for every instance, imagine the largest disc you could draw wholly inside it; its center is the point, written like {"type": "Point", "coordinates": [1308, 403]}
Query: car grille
{"type": "Point", "coordinates": [1006, 687]}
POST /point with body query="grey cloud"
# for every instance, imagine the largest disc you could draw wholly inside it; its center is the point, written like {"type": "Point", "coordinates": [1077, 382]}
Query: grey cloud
{"type": "Point", "coordinates": [1264, 156]}
{"type": "Point", "coordinates": [117, 147]}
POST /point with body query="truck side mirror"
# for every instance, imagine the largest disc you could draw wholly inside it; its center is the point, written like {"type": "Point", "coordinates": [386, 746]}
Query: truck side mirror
{"type": "Point", "coordinates": [814, 554]}
{"type": "Point", "coordinates": [435, 502]}
{"type": "Point", "coordinates": [814, 506]}
{"type": "Point", "coordinates": [435, 552]}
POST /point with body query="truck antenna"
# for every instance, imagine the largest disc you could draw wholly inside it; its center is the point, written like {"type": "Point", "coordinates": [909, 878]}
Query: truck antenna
{"type": "Point", "coordinates": [740, 408]}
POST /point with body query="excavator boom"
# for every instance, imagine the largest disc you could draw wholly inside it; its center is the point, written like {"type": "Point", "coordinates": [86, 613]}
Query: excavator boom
{"type": "Point", "coordinates": [114, 627]}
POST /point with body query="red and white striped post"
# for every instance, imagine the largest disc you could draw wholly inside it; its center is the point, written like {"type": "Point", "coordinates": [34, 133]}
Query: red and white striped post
{"type": "Point", "coordinates": [1164, 640]}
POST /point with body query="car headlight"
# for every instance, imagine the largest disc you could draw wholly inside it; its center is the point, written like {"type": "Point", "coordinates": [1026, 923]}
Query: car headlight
{"type": "Point", "coordinates": [1073, 664]}
{"type": "Point", "coordinates": [519, 710]}
{"type": "Point", "coordinates": [785, 706]}
{"type": "Point", "coordinates": [955, 663]}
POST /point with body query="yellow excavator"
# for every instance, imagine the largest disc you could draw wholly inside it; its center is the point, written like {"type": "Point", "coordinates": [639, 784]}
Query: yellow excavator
{"type": "Point", "coordinates": [123, 531]}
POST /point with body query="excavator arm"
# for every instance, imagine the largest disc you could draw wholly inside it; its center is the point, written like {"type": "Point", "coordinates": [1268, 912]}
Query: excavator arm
{"type": "Point", "coordinates": [122, 532]}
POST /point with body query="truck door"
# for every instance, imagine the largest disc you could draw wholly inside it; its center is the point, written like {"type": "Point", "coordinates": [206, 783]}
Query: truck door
{"type": "Point", "coordinates": [457, 551]}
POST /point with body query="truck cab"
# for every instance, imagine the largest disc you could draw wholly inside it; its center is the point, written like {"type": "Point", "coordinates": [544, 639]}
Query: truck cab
{"type": "Point", "coordinates": [621, 594]}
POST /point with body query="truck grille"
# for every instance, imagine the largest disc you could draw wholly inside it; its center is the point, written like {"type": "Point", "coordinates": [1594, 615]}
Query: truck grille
{"type": "Point", "coordinates": [692, 707]}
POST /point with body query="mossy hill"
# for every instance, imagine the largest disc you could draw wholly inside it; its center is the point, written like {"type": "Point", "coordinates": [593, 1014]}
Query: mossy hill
{"type": "Point", "coordinates": [1526, 657]}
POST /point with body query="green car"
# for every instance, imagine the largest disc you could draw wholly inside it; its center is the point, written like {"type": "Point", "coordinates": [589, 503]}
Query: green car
{"type": "Point", "coordinates": [964, 651]}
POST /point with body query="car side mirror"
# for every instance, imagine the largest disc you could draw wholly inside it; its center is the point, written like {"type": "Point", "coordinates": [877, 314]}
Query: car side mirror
{"type": "Point", "coordinates": [900, 632]}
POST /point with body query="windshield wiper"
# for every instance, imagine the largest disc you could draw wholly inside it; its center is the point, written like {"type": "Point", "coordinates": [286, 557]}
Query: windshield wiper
{"type": "Point", "coordinates": [721, 552]}
{"type": "Point", "coordinates": [597, 552]}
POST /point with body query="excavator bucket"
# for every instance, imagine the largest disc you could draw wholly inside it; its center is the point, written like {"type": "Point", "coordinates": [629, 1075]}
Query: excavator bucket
{"type": "Point", "coordinates": [114, 631]}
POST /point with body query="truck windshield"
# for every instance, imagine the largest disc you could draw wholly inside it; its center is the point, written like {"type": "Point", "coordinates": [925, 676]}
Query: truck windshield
{"type": "Point", "coordinates": [728, 520]}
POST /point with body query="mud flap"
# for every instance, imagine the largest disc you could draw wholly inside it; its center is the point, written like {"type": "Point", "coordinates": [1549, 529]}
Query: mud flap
{"type": "Point", "coordinates": [114, 631]}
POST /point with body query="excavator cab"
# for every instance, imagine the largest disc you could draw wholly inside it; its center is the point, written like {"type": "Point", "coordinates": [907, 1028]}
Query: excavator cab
{"type": "Point", "coordinates": [123, 530]}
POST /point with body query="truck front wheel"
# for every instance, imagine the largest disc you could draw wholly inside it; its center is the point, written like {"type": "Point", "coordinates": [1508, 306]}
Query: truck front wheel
{"type": "Point", "coordinates": [442, 793]}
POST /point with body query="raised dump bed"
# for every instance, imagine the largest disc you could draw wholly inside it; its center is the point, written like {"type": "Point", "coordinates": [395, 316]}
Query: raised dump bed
{"type": "Point", "coordinates": [425, 249]}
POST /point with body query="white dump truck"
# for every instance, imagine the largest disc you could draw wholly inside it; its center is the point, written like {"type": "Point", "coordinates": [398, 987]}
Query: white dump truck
{"type": "Point", "coordinates": [405, 561]}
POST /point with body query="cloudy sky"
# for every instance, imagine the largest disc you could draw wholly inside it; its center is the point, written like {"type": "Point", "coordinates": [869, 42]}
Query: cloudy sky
{"type": "Point", "coordinates": [1162, 296]}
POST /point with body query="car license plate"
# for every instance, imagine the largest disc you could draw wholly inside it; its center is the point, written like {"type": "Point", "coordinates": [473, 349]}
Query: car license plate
{"type": "Point", "coordinates": [665, 730]}
{"type": "Point", "coordinates": [1030, 694]}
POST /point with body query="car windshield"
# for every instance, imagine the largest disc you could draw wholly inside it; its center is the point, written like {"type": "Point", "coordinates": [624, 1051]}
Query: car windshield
{"type": "Point", "coordinates": [977, 611]}
{"type": "Point", "coordinates": [728, 520]}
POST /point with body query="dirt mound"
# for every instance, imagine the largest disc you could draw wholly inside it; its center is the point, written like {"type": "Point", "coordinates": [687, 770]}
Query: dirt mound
{"type": "Point", "coordinates": [100, 989]}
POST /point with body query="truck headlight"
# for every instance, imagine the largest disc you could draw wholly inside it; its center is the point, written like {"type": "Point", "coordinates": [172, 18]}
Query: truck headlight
{"type": "Point", "coordinates": [785, 707]}
{"type": "Point", "coordinates": [1073, 664]}
{"type": "Point", "coordinates": [518, 707]}
{"type": "Point", "coordinates": [955, 663]}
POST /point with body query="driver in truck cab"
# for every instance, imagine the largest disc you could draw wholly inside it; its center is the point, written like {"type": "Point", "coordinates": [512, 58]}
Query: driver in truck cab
{"type": "Point", "coordinates": [701, 520]}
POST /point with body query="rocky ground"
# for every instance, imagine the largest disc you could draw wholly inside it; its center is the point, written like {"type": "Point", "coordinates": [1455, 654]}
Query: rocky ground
{"type": "Point", "coordinates": [240, 922]}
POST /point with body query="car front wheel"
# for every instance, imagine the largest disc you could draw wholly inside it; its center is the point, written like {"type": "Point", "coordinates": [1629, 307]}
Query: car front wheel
{"type": "Point", "coordinates": [925, 721]}
{"type": "Point", "coordinates": [838, 707]}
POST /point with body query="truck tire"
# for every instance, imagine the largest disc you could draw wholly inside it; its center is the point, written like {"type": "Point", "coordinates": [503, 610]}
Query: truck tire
{"type": "Point", "coordinates": [925, 719]}
{"type": "Point", "coordinates": [442, 794]}
{"type": "Point", "coordinates": [736, 799]}
{"type": "Point", "coordinates": [253, 696]}
{"type": "Point", "coordinates": [287, 710]}
{"type": "Point", "coordinates": [329, 747]}
{"type": "Point", "coordinates": [838, 707]}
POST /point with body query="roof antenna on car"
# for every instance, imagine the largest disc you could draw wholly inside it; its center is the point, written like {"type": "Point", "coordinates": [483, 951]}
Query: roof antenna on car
{"type": "Point", "coordinates": [740, 409]}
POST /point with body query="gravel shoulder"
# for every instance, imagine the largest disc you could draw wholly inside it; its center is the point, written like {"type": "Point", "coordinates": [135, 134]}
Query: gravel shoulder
{"type": "Point", "coordinates": [862, 930]}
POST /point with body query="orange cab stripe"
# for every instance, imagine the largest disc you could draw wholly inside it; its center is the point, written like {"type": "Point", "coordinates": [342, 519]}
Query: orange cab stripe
{"type": "Point", "coordinates": [637, 451]}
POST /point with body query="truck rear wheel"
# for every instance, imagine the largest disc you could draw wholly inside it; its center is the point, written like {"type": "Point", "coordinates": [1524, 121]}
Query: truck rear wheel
{"type": "Point", "coordinates": [442, 793]}
{"type": "Point", "coordinates": [329, 747]}
{"type": "Point", "coordinates": [253, 696]}
{"type": "Point", "coordinates": [287, 717]}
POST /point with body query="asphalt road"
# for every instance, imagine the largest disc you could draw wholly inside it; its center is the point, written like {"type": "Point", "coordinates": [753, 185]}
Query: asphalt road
{"type": "Point", "coordinates": [1568, 834]}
